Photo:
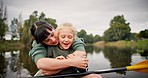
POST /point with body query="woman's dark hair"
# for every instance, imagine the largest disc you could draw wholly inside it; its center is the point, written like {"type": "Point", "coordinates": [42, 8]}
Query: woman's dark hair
{"type": "Point", "coordinates": [39, 30]}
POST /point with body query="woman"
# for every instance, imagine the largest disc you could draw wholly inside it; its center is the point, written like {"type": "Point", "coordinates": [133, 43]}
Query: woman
{"type": "Point", "coordinates": [45, 34]}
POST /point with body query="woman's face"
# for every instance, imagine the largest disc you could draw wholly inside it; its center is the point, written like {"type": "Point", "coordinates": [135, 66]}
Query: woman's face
{"type": "Point", "coordinates": [66, 38]}
{"type": "Point", "coordinates": [52, 39]}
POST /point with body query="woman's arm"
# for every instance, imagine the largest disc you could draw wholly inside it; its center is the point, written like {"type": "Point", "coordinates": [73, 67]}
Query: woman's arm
{"type": "Point", "coordinates": [51, 72]}
{"type": "Point", "coordinates": [79, 48]}
{"type": "Point", "coordinates": [54, 64]}
{"type": "Point", "coordinates": [38, 55]}
{"type": "Point", "coordinates": [78, 44]}
{"type": "Point", "coordinates": [77, 53]}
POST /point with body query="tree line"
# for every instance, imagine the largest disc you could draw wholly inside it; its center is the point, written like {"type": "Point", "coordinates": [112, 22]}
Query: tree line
{"type": "Point", "coordinates": [119, 28]}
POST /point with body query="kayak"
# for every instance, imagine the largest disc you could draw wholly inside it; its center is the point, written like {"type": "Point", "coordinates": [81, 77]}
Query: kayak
{"type": "Point", "coordinates": [38, 73]}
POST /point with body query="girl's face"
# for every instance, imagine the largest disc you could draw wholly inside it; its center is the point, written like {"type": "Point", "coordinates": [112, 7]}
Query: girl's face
{"type": "Point", "coordinates": [52, 39]}
{"type": "Point", "coordinates": [66, 38]}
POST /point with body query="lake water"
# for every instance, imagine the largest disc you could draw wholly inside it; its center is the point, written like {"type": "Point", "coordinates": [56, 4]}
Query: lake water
{"type": "Point", "coordinates": [16, 64]}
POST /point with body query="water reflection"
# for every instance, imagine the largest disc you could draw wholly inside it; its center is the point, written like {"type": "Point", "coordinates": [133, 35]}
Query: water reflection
{"type": "Point", "coordinates": [116, 58]}
{"type": "Point", "coordinates": [16, 64]}
{"type": "Point", "coordinates": [144, 54]}
{"type": "Point", "coordinates": [90, 49]}
{"type": "Point", "coordinates": [12, 66]}
{"type": "Point", "coordinates": [2, 65]}
{"type": "Point", "coordinates": [27, 62]}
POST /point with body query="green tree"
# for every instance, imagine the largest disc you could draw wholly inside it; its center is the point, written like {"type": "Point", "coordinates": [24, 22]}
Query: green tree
{"type": "Point", "coordinates": [82, 33]}
{"type": "Point", "coordinates": [3, 19]}
{"type": "Point", "coordinates": [88, 38]}
{"type": "Point", "coordinates": [97, 38]}
{"type": "Point", "coordinates": [20, 25]}
{"type": "Point", "coordinates": [108, 35]}
{"type": "Point", "coordinates": [143, 33]}
{"type": "Point", "coordinates": [146, 33]}
{"type": "Point", "coordinates": [119, 29]}
{"type": "Point", "coordinates": [14, 29]}
{"type": "Point", "coordinates": [26, 36]}
{"type": "Point", "coordinates": [134, 36]}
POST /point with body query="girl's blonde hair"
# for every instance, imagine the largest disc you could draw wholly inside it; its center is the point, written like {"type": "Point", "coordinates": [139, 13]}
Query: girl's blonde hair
{"type": "Point", "coordinates": [67, 25]}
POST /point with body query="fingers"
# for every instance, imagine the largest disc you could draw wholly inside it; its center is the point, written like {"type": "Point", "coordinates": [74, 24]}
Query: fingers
{"type": "Point", "coordinates": [84, 66]}
{"type": "Point", "coordinates": [71, 55]}
{"type": "Point", "coordinates": [60, 58]}
{"type": "Point", "coordinates": [84, 56]}
{"type": "Point", "coordinates": [83, 63]}
{"type": "Point", "coordinates": [44, 72]}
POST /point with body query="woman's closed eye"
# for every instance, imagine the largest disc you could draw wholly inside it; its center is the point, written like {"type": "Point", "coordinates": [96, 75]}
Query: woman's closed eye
{"type": "Point", "coordinates": [52, 34]}
{"type": "Point", "coordinates": [47, 40]}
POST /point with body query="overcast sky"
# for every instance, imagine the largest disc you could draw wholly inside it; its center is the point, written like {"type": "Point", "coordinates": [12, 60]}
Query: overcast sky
{"type": "Point", "coordinates": [92, 15]}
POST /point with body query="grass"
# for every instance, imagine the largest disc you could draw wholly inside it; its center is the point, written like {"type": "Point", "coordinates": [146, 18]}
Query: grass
{"type": "Point", "coordinates": [143, 44]}
{"type": "Point", "coordinates": [140, 44]}
{"type": "Point", "coordinates": [10, 45]}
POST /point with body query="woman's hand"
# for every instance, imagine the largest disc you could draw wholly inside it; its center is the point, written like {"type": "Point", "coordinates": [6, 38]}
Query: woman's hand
{"type": "Point", "coordinates": [79, 62]}
{"type": "Point", "coordinates": [79, 59]}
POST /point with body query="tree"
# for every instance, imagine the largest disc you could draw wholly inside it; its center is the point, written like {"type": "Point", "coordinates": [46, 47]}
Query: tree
{"type": "Point", "coordinates": [16, 27]}
{"type": "Point", "coordinates": [119, 29]}
{"type": "Point", "coordinates": [20, 25]}
{"type": "Point", "coordinates": [88, 38]}
{"type": "Point", "coordinates": [3, 20]}
{"type": "Point", "coordinates": [26, 36]}
{"type": "Point", "coordinates": [146, 33]}
{"type": "Point", "coordinates": [97, 38]}
{"type": "Point", "coordinates": [14, 30]}
{"type": "Point", "coordinates": [82, 33]}
{"type": "Point", "coordinates": [143, 33]}
{"type": "Point", "coordinates": [42, 16]}
{"type": "Point", "coordinates": [108, 35]}
{"type": "Point", "coordinates": [134, 36]}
